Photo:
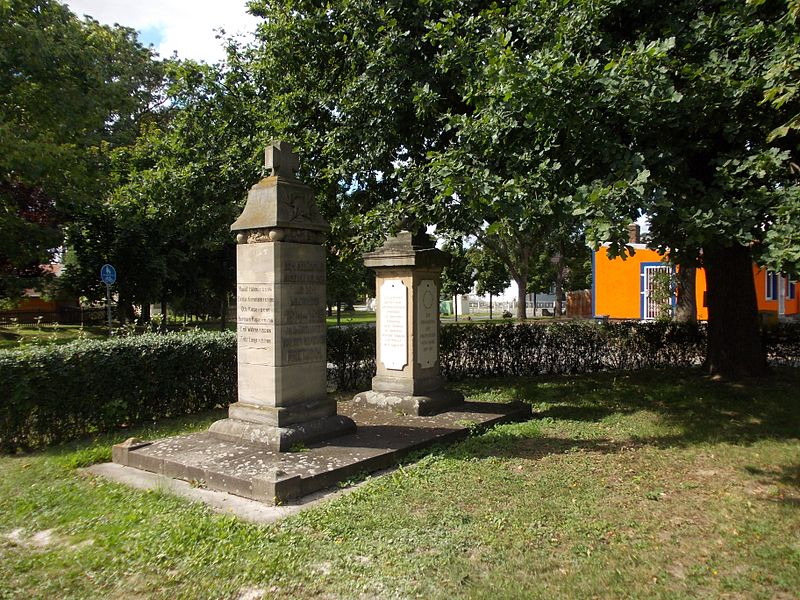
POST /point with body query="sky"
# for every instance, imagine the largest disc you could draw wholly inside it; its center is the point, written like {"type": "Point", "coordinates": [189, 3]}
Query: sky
{"type": "Point", "coordinates": [185, 26]}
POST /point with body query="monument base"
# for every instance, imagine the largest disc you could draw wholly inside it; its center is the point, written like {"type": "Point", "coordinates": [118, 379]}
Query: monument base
{"type": "Point", "coordinates": [282, 439]}
{"type": "Point", "coordinates": [264, 474]}
{"type": "Point", "coordinates": [430, 403]}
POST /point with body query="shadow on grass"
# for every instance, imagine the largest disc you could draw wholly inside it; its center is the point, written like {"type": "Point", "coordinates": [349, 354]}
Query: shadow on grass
{"type": "Point", "coordinates": [702, 410]}
{"type": "Point", "coordinates": [96, 448]}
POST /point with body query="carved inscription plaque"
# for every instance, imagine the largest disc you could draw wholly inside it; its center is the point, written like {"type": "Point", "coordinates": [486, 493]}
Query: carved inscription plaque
{"type": "Point", "coordinates": [255, 308]}
{"type": "Point", "coordinates": [393, 324]}
{"type": "Point", "coordinates": [280, 324]}
{"type": "Point", "coordinates": [427, 324]}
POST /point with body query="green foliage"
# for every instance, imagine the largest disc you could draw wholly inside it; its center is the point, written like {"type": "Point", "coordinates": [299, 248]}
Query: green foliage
{"type": "Point", "coordinates": [541, 348]}
{"type": "Point", "coordinates": [491, 274]}
{"type": "Point", "coordinates": [662, 293]}
{"type": "Point", "coordinates": [346, 278]}
{"type": "Point", "coordinates": [511, 349]}
{"type": "Point", "coordinates": [351, 355]}
{"type": "Point", "coordinates": [61, 392]}
{"type": "Point", "coordinates": [459, 273]}
{"type": "Point", "coordinates": [165, 225]}
{"type": "Point", "coordinates": [71, 90]}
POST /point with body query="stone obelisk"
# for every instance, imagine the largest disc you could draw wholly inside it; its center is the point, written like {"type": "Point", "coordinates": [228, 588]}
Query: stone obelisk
{"type": "Point", "coordinates": [280, 305]}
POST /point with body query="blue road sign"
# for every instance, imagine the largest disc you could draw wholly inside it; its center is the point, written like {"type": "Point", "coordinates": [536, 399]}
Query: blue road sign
{"type": "Point", "coordinates": [108, 274]}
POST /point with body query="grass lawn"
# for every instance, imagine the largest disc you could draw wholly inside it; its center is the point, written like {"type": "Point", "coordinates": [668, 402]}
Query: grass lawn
{"type": "Point", "coordinates": [22, 335]}
{"type": "Point", "coordinates": [652, 484]}
{"type": "Point", "coordinates": [351, 317]}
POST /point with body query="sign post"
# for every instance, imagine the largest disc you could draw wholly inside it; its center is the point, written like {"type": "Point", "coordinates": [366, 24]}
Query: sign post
{"type": "Point", "coordinates": [108, 275]}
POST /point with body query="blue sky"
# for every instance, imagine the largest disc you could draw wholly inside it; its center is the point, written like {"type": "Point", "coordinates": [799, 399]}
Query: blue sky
{"type": "Point", "coordinates": [151, 36]}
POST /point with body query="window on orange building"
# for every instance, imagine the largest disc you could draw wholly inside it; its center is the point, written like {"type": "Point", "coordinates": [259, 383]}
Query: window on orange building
{"type": "Point", "coordinates": [772, 285]}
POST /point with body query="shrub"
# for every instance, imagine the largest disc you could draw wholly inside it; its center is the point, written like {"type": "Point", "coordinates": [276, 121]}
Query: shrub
{"type": "Point", "coordinates": [54, 393]}
{"type": "Point", "coordinates": [782, 343]}
{"type": "Point", "coordinates": [558, 347]}
{"type": "Point", "coordinates": [351, 357]}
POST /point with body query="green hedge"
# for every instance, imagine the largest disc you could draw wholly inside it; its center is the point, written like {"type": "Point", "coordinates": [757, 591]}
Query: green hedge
{"type": "Point", "coordinates": [537, 348]}
{"type": "Point", "coordinates": [351, 357]}
{"type": "Point", "coordinates": [54, 393]}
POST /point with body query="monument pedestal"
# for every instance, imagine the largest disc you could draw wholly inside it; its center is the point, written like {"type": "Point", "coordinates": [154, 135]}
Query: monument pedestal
{"type": "Point", "coordinates": [280, 305]}
{"type": "Point", "coordinates": [407, 279]}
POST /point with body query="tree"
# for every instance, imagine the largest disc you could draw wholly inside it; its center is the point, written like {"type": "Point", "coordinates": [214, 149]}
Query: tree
{"type": "Point", "coordinates": [346, 280]}
{"type": "Point", "coordinates": [491, 274]}
{"type": "Point", "coordinates": [686, 301]}
{"type": "Point", "coordinates": [459, 274]}
{"type": "Point", "coordinates": [513, 119]}
{"type": "Point", "coordinates": [28, 233]}
{"type": "Point", "coordinates": [176, 191]}
{"type": "Point", "coordinates": [720, 193]}
{"type": "Point", "coordinates": [71, 90]}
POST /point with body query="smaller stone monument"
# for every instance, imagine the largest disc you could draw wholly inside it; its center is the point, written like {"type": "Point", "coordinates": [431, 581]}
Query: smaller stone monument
{"type": "Point", "coordinates": [280, 300]}
{"type": "Point", "coordinates": [408, 270]}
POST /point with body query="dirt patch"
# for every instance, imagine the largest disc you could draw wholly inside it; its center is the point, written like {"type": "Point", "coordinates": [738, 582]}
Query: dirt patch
{"type": "Point", "coordinates": [39, 539]}
{"type": "Point", "coordinates": [251, 593]}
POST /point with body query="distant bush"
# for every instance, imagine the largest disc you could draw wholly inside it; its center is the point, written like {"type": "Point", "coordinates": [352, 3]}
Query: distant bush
{"type": "Point", "coordinates": [54, 393]}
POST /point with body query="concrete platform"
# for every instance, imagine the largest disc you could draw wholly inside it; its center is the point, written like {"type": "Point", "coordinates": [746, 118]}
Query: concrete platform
{"type": "Point", "coordinates": [257, 473]}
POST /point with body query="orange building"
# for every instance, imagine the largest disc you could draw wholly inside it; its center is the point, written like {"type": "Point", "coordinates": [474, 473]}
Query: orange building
{"type": "Point", "coordinates": [623, 289]}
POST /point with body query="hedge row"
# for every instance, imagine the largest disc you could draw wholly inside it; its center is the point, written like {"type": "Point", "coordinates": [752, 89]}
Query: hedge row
{"type": "Point", "coordinates": [505, 349]}
{"type": "Point", "coordinates": [55, 393]}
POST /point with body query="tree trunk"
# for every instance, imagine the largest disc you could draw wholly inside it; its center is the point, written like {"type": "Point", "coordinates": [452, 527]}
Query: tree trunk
{"type": "Point", "coordinates": [124, 310]}
{"type": "Point", "coordinates": [490, 307]}
{"type": "Point", "coordinates": [686, 304]}
{"type": "Point", "coordinates": [144, 318]}
{"type": "Point", "coordinates": [558, 305]}
{"type": "Point", "coordinates": [455, 307]}
{"type": "Point", "coordinates": [522, 284]}
{"type": "Point", "coordinates": [734, 339]}
{"type": "Point", "coordinates": [223, 318]}
{"type": "Point", "coordinates": [338, 313]}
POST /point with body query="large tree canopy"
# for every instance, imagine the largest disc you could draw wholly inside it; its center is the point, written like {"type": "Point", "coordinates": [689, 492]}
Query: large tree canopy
{"type": "Point", "coordinates": [70, 90]}
{"type": "Point", "coordinates": [176, 190]}
{"type": "Point", "coordinates": [510, 120]}
{"type": "Point", "coordinates": [721, 190]}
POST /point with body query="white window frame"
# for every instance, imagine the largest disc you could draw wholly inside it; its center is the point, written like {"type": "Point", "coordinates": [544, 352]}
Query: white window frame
{"type": "Point", "coordinates": [771, 285]}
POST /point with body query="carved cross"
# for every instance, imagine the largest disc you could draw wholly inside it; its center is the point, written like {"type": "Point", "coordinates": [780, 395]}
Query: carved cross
{"type": "Point", "coordinates": [280, 160]}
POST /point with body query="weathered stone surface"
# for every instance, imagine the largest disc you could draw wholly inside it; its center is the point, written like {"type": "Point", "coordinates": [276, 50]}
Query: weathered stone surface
{"type": "Point", "coordinates": [435, 401]}
{"type": "Point", "coordinates": [280, 300]}
{"type": "Point", "coordinates": [263, 473]}
{"type": "Point", "coordinates": [280, 200]}
{"type": "Point", "coordinates": [407, 282]}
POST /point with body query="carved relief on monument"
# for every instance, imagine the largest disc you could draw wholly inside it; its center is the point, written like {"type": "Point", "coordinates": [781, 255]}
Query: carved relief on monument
{"type": "Point", "coordinates": [265, 235]}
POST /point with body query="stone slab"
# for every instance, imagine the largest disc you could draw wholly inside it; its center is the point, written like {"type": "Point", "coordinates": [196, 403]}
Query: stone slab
{"type": "Point", "coordinates": [258, 473]}
{"type": "Point", "coordinates": [224, 503]}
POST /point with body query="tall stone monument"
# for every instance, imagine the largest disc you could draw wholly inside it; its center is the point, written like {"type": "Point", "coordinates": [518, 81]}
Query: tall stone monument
{"type": "Point", "coordinates": [280, 305]}
{"type": "Point", "coordinates": [408, 271]}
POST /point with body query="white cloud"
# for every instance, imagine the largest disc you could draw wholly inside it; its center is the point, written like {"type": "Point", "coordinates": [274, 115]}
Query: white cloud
{"type": "Point", "coordinates": [185, 26]}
